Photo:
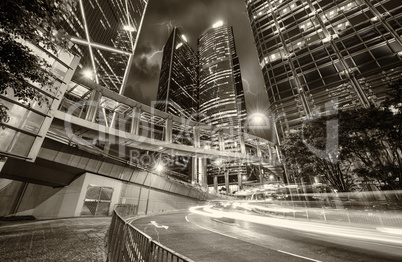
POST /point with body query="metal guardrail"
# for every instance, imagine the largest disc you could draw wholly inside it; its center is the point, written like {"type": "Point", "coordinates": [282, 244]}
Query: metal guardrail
{"type": "Point", "coordinates": [127, 243]}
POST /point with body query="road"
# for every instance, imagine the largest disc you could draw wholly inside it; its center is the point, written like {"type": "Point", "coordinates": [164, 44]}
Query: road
{"type": "Point", "coordinates": [204, 238]}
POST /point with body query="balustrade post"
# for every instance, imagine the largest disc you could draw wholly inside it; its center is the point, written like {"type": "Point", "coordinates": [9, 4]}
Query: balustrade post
{"type": "Point", "coordinates": [259, 154]}
{"type": "Point", "coordinates": [93, 106]}
{"type": "Point", "coordinates": [135, 120]}
{"type": "Point", "coordinates": [168, 129]}
{"type": "Point", "coordinates": [216, 184]}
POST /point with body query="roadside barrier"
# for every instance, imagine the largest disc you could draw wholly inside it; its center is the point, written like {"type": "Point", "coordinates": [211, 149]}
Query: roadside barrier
{"type": "Point", "coordinates": [127, 243]}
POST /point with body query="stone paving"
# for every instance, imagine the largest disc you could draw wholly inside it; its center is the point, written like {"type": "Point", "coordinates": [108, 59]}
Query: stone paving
{"type": "Point", "coordinates": [74, 239]}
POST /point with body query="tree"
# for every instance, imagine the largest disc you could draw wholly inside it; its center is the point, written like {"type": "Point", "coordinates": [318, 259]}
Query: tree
{"type": "Point", "coordinates": [40, 23]}
{"type": "Point", "coordinates": [375, 140]}
{"type": "Point", "coordinates": [304, 162]}
{"type": "Point", "coordinates": [369, 146]}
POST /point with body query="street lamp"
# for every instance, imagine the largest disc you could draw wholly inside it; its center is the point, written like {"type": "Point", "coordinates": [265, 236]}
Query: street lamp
{"type": "Point", "coordinates": [159, 168]}
{"type": "Point", "coordinates": [88, 73]}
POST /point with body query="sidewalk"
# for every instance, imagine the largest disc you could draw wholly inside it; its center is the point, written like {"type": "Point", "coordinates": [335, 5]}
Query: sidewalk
{"type": "Point", "coordinates": [73, 239]}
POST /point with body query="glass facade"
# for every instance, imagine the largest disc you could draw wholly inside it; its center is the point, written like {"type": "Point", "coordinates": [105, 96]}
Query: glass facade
{"type": "Point", "coordinates": [105, 34]}
{"type": "Point", "coordinates": [177, 93]}
{"type": "Point", "coordinates": [315, 52]}
{"type": "Point", "coordinates": [206, 87]}
{"type": "Point", "coordinates": [30, 119]}
{"type": "Point", "coordinates": [221, 95]}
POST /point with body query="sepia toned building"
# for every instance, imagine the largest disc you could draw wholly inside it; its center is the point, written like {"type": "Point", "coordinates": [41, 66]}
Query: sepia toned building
{"type": "Point", "coordinates": [320, 54]}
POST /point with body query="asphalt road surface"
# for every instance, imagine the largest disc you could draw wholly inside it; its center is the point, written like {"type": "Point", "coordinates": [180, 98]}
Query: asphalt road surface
{"type": "Point", "coordinates": [203, 238]}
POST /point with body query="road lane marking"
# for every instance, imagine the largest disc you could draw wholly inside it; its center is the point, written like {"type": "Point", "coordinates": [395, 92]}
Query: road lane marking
{"type": "Point", "coordinates": [186, 219]}
{"type": "Point", "coordinates": [299, 256]}
{"type": "Point", "coordinates": [159, 226]}
{"type": "Point", "coordinates": [216, 231]}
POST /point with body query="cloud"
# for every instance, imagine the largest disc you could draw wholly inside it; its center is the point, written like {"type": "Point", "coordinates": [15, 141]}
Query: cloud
{"type": "Point", "coordinates": [145, 69]}
{"type": "Point", "coordinates": [139, 92]}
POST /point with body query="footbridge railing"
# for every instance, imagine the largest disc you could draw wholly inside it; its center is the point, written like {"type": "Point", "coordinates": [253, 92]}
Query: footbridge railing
{"type": "Point", "coordinates": [91, 114]}
{"type": "Point", "coordinates": [127, 243]}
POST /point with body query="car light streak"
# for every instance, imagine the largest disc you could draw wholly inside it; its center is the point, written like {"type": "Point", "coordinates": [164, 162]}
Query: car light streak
{"type": "Point", "coordinates": [395, 231]}
{"type": "Point", "coordinates": [199, 212]}
{"type": "Point", "coordinates": [334, 230]}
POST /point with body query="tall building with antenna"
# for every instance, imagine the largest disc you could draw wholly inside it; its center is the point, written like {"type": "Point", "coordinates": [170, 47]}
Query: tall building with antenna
{"type": "Point", "coordinates": [317, 54]}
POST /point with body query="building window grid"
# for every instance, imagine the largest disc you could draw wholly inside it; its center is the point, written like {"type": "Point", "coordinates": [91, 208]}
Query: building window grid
{"type": "Point", "coordinates": [334, 60]}
{"type": "Point", "coordinates": [366, 48]}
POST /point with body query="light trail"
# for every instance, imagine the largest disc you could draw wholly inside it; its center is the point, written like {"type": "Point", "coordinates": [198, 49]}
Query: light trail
{"type": "Point", "coordinates": [334, 230]}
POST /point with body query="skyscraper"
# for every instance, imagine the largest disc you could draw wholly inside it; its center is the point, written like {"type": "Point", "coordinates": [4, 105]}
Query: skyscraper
{"type": "Point", "coordinates": [315, 52]}
{"type": "Point", "coordinates": [177, 92]}
{"type": "Point", "coordinates": [105, 33]}
{"type": "Point", "coordinates": [221, 95]}
{"type": "Point", "coordinates": [206, 87]}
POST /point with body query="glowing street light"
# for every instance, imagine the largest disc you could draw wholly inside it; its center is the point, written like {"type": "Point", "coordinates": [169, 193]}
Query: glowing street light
{"type": "Point", "coordinates": [159, 168]}
{"type": "Point", "coordinates": [258, 121]}
{"type": "Point", "coordinates": [88, 73]}
{"type": "Point", "coordinates": [258, 118]}
{"type": "Point", "coordinates": [218, 162]}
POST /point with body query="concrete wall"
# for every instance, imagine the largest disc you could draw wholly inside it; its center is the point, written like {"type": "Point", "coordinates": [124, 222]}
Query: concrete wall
{"type": "Point", "coordinates": [151, 200]}
{"type": "Point", "coordinates": [153, 195]}
{"type": "Point", "coordinates": [8, 195]}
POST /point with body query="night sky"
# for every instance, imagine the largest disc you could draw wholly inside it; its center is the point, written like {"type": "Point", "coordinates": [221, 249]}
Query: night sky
{"type": "Point", "coordinates": [192, 17]}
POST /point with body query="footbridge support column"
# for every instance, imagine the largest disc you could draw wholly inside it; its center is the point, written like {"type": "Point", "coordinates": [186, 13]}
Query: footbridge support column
{"type": "Point", "coordinates": [198, 170]}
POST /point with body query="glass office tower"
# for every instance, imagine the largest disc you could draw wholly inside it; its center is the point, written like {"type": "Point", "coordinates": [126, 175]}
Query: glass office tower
{"type": "Point", "coordinates": [318, 52]}
{"type": "Point", "coordinates": [105, 33]}
{"type": "Point", "coordinates": [177, 92]}
{"type": "Point", "coordinates": [221, 95]}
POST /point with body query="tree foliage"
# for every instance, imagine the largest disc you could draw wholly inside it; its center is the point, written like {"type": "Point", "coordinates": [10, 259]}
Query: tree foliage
{"type": "Point", "coordinates": [368, 146]}
{"type": "Point", "coordinates": [310, 152]}
{"type": "Point", "coordinates": [40, 23]}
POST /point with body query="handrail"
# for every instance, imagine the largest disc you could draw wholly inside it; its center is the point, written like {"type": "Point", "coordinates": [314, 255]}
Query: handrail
{"type": "Point", "coordinates": [127, 243]}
